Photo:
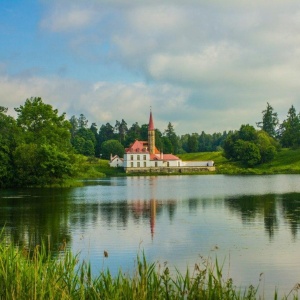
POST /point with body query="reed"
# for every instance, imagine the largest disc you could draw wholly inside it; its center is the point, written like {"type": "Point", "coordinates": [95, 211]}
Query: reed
{"type": "Point", "coordinates": [36, 274]}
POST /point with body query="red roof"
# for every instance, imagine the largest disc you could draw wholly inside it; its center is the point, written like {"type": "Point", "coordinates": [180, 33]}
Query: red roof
{"type": "Point", "coordinates": [151, 124]}
{"type": "Point", "coordinates": [170, 157]}
{"type": "Point", "coordinates": [163, 157]}
{"type": "Point", "coordinates": [138, 146]}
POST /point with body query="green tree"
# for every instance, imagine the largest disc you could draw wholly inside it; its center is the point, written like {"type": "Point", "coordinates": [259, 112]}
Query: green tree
{"type": "Point", "coordinates": [172, 137]}
{"type": "Point", "coordinates": [121, 129]}
{"type": "Point", "coordinates": [192, 143]}
{"type": "Point", "coordinates": [133, 133]}
{"type": "Point", "coordinates": [248, 153]}
{"type": "Point", "coordinates": [167, 146]}
{"type": "Point", "coordinates": [144, 132]}
{"type": "Point", "coordinates": [10, 138]}
{"type": "Point", "coordinates": [106, 132]}
{"type": "Point", "coordinates": [249, 146]}
{"type": "Point", "coordinates": [42, 164]}
{"type": "Point", "coordinates": [290, 129]}
{"type": "Point", "coordinates": [268, 146]}
{"type": "Point", "coordinates": [41, 124]}
{"type": "Point", "coordinates": [269, 121]}
{"type": "Point", "coordinates": [74, 126]}
{"type": "Point", "coordinates": [82, 121]}
{"type": "Point", "coordinates": [113, 147]}
{"type": "Point", "coordinates": [205, 142]}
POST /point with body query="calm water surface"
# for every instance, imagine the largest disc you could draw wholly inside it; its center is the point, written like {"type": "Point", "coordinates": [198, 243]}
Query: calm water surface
{"type": "Point", "coordinates": [250, 222]}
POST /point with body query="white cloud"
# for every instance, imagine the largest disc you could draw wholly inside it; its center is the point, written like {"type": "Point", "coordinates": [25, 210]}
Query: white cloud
{"type": "Point", "coordinates": [65, 18]}
{"type": "Point", "coordinates": [203, 65]}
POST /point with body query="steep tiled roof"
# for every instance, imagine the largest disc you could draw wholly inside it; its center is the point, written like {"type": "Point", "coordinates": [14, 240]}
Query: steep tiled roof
{"type": "Point", "coordinates": [151, 124]}
{"type": "Point", "coordinates": [137, 146]}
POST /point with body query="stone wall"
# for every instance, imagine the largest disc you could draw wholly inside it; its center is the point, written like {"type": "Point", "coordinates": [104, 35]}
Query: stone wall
{"type": "Point", "coordinates": [182, 169]}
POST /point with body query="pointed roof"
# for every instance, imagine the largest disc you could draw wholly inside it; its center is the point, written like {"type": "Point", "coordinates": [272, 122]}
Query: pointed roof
{"type": "Point", "coordinates": [151, 124]}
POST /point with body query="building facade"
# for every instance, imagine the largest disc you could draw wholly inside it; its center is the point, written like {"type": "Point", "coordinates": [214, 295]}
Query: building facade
{"type": "Point", "coordinates": [143, 156]}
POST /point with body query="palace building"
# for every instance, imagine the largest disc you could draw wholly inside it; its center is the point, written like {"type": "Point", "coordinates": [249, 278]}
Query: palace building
{"type": "Point", "coordinates": [143, 156]}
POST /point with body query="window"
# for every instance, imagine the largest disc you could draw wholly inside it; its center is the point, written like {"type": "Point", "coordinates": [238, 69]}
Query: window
{"type": "Point", "coordinates": [156, 164]}
{"type": "Point", "coordinates": [168, 164]}
{"type": "Point", "coordinates": [145, 164]}
{"type": "Point", "coordinates": [131, 157]}
{"type": "Point", "coordinates": [145, 157]}
{"type": "Point", "coordinates": [138, 157]}
{"type": "Point", "coordinates": [131, 164]}
{"type": "Point", "coordinates": [138, 164]}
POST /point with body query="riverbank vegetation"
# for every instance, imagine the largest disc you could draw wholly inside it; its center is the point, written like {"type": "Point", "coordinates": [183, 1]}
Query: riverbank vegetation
{"type": "Point", "coordinates": [40, 147]}
{"type": "Point", "coordinates": [36, 274]}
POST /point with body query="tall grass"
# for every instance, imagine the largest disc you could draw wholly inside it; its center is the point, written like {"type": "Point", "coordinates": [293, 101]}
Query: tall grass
{"type": "Point", "coordinates": [36, 275]}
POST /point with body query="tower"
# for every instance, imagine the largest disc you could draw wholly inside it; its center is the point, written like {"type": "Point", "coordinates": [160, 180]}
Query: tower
{"type": "Point", "coordinates": [151, 135]}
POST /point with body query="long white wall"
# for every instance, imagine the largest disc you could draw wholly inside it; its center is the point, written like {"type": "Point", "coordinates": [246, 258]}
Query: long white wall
{"type": "Point", "coordinates": [208, 163]}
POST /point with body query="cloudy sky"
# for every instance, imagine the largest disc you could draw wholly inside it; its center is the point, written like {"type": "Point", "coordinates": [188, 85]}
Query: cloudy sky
{"type": "Point", "coordinates": [207, 65]}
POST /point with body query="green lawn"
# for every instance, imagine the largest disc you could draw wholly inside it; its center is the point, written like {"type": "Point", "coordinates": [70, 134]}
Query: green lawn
{"type": "Point", "coordinates": [287, 161]}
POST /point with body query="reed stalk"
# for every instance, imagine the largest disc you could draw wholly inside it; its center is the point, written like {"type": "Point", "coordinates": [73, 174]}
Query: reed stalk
{"type": "Point", "coordinates": [37, 275]}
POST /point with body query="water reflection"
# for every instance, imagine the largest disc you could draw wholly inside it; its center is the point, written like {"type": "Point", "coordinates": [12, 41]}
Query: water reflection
{"type": "Point", "coordinates": [30, 216]}
{"type": "Point", "coordinates": [259, 206]}
{"type": "Point", "coordinates": [176, 218]}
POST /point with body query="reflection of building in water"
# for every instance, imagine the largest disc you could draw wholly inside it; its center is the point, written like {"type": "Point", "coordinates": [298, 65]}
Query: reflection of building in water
{"type": "Point", "coordinates": [152, 216]}
{"type": "Point", "coordinates": [145, 205]}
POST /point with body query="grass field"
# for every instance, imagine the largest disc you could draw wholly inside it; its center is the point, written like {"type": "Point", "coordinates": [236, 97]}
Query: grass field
{"type": "Point", "coordinates": [287, 161]}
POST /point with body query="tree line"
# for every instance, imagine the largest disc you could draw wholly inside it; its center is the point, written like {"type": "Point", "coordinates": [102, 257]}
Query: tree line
{"type": "Point", "coordinates": [90, 141]}
{"type": "Point", "coordinates": [40, 146]}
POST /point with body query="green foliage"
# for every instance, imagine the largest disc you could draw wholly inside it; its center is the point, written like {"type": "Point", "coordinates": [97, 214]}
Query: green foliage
{"type": "Point", "coordinates": [113, 147]}
{"type": "Point", "coordinates": [83, 139]}
{"type": "Point", "coordinates": [250, 146]}
{"type": "Point", "coordinates": [41, 124]}
{"type": "Point", "coordinates": [122, 130]}
{"type": "Point", "coordinates": [193, 143]}
{"type": "Point", "coordinates": [290, 129]}
{"type": "Point", "coordinates": [35, 274]}
{"type": "Point", "coordinates": [202, 143]}
{"type": "Point", "coordinates": [133, 134]}
{"type": "Point", "coordinates": [10, 137]}
{"type": "Point", "coordinates": [248, 153]}
{"type": "Point", "coordinates": [42, 165]}
{"type": "Point", "coordinates": [173, 139]}
{"type": "Point", "coordinates": [35, 148]}
{"type": "Point", "coordinates": [269, 121]}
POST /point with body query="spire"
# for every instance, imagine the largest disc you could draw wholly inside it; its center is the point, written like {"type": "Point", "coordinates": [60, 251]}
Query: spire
{"type": "Point", "coordinates": [151, 125]}
{"type": "Point", "coordinates": [151, 135]}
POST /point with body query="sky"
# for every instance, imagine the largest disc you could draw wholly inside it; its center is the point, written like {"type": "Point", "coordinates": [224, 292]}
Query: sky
{"type": "Point", "coordinates": [203, 65]}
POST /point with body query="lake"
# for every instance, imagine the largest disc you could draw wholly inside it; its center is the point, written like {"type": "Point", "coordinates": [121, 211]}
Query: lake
{"type": "Point", "coordinates": [250, 223]}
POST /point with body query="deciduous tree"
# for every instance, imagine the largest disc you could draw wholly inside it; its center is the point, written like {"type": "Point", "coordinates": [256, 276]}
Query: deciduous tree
{"type": "Point", "coordinates": [113, 147]}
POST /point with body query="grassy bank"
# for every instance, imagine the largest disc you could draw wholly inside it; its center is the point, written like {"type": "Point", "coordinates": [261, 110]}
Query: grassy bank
{"type": "Point", "coordinates": [287, 161]}
{"type": "Point", "coordinates": [36, 275]}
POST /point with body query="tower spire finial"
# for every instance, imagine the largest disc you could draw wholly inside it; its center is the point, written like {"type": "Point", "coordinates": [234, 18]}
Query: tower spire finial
{"type": "Point", "coordinates": [151, 124]}
{"type": "Point", "coordinates": [151, 134]}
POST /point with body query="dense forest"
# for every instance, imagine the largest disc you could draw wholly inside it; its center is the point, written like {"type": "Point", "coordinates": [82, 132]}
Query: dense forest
{"type": "Point", "coordinates": [42, 147]}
